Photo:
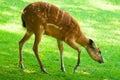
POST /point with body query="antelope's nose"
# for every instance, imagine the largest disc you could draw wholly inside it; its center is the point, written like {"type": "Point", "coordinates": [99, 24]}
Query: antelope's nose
{"type": "Point", "coordinates": [101, 61]}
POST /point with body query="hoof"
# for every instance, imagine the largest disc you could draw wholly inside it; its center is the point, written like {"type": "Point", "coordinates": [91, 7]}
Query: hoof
{"type": "Point", "coordinates": [44, 71]}
{"type": "Point", "coordinates": [21, 66]}
{"type": "Point", "coordinates": [75, 68]}
{"type": "Point", "coordinates": [63, 69]}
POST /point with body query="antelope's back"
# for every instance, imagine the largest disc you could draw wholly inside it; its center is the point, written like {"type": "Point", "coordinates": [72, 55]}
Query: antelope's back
{"type": "Point", "coordinates": [46, 13]}
{"type": "Point", "coordinates": [42, 13]}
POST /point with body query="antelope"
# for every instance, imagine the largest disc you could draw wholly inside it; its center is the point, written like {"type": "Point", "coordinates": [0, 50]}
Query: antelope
{"type": "Point", "coordinates": [43, 18]}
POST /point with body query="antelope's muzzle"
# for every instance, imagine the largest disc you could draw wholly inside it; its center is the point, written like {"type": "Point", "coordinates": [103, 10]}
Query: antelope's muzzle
{"type": "Point", "coordinates": [101, 61]}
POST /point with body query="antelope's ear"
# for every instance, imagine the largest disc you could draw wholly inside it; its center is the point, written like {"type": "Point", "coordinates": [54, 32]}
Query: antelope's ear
{"type": "Point", "coordinates": [91, 43]}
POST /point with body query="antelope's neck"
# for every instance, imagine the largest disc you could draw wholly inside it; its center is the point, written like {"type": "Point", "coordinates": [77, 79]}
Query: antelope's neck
{"type": "Point", "coordinates": [83, 40]}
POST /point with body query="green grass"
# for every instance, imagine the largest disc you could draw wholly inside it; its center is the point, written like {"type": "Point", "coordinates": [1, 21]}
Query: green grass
{"type": "Point", "coordinates": [99, 20]}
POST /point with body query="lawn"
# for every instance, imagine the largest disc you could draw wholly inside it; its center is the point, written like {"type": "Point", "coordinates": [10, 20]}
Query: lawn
{"type": "Point", "coordinates": [99, 20]}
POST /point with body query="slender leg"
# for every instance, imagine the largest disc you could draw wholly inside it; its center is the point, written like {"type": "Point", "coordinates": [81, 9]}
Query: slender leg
{"type": "Point", "coordinates": [60, 46]}
{"type": "Point", "coordinates": [74, 46]}
{"type": "Point", "coordinates": [21, 43]}
{"type": "Point", "coordinates": [35, 49]}
{"type": "Point", "coordinates": [78, 62]}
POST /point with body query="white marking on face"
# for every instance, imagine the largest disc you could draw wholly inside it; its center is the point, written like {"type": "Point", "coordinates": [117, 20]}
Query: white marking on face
{"type": "Point", "coordinates": [97, 53]}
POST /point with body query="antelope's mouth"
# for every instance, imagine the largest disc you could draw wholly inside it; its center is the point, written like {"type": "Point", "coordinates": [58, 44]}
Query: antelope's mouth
{"type": "Point", "coordinates": [101, 61]}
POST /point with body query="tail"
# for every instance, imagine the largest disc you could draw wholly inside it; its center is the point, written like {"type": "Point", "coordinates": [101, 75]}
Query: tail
{"type": "Point", "coordinates": [23, 22]}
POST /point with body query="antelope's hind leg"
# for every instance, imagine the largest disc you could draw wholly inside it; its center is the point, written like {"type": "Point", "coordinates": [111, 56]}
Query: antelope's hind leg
{"type": "Point", "coordinates": [38, 36]}
{"type": "Point", "coordinates": [21, 43]}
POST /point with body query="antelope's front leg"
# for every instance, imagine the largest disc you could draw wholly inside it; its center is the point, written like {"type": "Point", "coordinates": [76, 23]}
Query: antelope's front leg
{"type": "Point", "coordinates": [78, 62]}
{"type": "Point", "coordinates": [73, 44]}
{"type": "Point", "coordinates": [60, 46]}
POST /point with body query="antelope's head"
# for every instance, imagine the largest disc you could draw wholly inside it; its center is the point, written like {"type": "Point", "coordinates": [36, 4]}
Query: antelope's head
{"type": "Point", "coordinates": [94, 51]}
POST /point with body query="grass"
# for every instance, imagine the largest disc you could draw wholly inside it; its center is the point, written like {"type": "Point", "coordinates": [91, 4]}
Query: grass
{"type": "Point", "coordinates": [99, 20]}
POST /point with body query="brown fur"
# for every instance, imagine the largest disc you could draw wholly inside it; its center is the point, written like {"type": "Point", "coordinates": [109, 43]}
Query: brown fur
{"type": "Point", "coordinates": [43, 18]}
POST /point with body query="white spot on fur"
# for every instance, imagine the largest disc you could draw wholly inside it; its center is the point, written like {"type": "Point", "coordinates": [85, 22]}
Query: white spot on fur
{"type": "Point", "coordinates": [42, 29]}
{"type": "Point", "coordinates": [38, 10]}
{"type": "Point", "coordinates": [39, 15]}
